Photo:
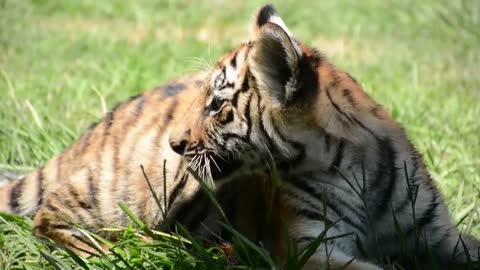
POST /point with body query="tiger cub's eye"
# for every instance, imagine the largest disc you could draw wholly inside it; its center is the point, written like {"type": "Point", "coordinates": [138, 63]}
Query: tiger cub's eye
{"type": "Point", "coordinates": [216, 104]}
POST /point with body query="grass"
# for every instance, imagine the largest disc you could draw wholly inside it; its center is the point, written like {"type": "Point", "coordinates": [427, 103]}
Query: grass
{"type": "Point", "coordinates": [64, 63]}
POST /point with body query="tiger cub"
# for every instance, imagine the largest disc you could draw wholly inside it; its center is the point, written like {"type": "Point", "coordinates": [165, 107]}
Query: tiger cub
{"type": "Point", "coordinates": [85, 183]}
{"type": "Point", "coordinates": [344, 163]}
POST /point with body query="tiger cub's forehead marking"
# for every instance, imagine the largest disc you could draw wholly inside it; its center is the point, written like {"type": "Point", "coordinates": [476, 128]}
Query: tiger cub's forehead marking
{"type": "Point", "coordinates": [223, 79]}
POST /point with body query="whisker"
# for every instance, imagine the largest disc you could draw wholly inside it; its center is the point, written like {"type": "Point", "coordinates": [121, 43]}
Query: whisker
{"type": "Point", "coordinates": [200, 64]}
{"type": "Point", "coordinates": [213, 160]}
{"type": "Point", "coordinates": [210, 182]}
{"type": "Point", "coordinates": [218, 155]}
{"type": "Point", "coordinates": [202, 167]}
{"type": "Point", "coordinates": [268, 162]}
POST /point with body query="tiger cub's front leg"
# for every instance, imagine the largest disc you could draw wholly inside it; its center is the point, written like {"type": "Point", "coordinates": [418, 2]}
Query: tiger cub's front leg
{"type": "Point", "coordinates": [57, 217]}
{"type": "Point", "coordinates": [304, 225]}
{"type": "Point", "coordinates": [337, 260]}
{"type": "Point", "coordinates": [50, 223]}
{"type": "Point", "coordinates": [331, 254]}
{"type": "Point", "coordinates": [47, 224]}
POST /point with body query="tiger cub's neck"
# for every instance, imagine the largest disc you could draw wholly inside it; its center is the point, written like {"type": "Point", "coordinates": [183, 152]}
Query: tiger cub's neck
{"type": "Point", "coordinates": [347, 128]}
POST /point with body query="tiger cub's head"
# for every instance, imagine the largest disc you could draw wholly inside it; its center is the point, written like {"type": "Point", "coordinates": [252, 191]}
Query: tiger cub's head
{"type": "Point", "coordinates": [257, 104]}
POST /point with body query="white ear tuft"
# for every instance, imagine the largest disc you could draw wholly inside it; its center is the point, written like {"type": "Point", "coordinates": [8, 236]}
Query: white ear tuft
{"type": "Point", "coordinates": [278, 21]}
{"type": "Point", "coordinates": [268, 14]}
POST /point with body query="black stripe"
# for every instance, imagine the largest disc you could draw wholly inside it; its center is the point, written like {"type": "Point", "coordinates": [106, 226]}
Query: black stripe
{"type": "Point", "coordinates": [270, 144]}
{"type": "Point", "coordinates": [445, 233]}
{"type": "Point", "coordinates": [327, 138]}
{"type": "Point", "coordinates": [66, 203]}
{"type": "Point", "coordinates": [375, 111]}
{"type": "Point", "coordinates": [299, 147]}
{"type": "Point", "coordinates": [351, 77]}
{"type": "Point", "coordinates": [385, 179]}
{"type": "Point", "coordinates": [124, 104]}
{"type": "Point", "coordinates": [40, 186]}
{"type": "Point", "coordinates": [403, 204]}
{"type": "Point", "coordinates": [92, 190]}
{"type": "Point", "coordinates": [108, 123]}
{"type": "Point", "coordinates": [313, 215]}
{"type": "Point", "coordinates": [406, 200]}
{"type": "Point", "coordinates": [333, 206]}
{"type": "Point", "coordinates": [15, 194]}
{"type": "Point", "coordinates": [179, 169]}
{"type": "Point", "coordinates": [228, 118]}
{"type": "Point", "coordinates": [233, 63]}
{"type": "Point", "coordinates": [346, 123]}
{"type": "Point", "coordinates": [303, 186]}
{"type": "Point", "coordinates": [172, 89]}
{"type": "Point", "coordinates": [93, 125]}
{"type": "Point", "coordinates": [50, 207]}
{"type": "Point", "coordinates": [60, 226]}
{"type": "Point", "coordinates": [125, 129]}
{"type": "Point", "coordinates": [170, 112]}
{"type": "Point", "coordinates": [337, 160]}
{"type": "Point", "coordinates": [230, 136]}
{"type": "Point", "coordinates": [82, 203]}
{"type": "Point", "coordinates": [134, 97]}
{"type": "Point", "coordinates": [245, 86]}
{"type": "Point", "coordinates": [248, 117]}
{"type": "Point", "coordinates": [125, 195]}
{"type": "Point", "coordinates": [234, 99]}
{"type": "Point", "coordinates": [307, 239]}
{"type": "Point", "coordinates": [167, 118]}
{"type": "Point", "coordinates": [85, 141]}
{"type": "Point", "coordinates": [176, 191]}
{"type": "Point", "coordinates": [140, 105]}
{"type": "Point", "coordinates": [219, 144]}
{"type": "Point", "coordinates": [348, 117]}
{"type": "Point", "coordinates": [364, 127]}
{"type": "Point", "coordinates": [426, 217]}
{"type": "Point", "coordinates": [69, 205]}
{"type": "Point", "coordinates": [226, 85]}
{"type": "Point", "coordinates": [337, 108]}
{"type": "Point", "coordinates": [246, 81]}
{"type": "Point", "coordinates": [223, 74]}
{"type": "Point", "coordinates": [348, 95]}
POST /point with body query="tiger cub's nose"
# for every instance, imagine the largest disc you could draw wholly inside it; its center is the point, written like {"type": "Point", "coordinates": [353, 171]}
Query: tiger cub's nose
{"type": "Point", "coordinates": [178, 141]}
{"type": "Point", "coordinates": [178, 147]}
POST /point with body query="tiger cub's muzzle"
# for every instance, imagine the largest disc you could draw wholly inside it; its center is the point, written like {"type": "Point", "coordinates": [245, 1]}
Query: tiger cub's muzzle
{"type": "Point", "coordinates": [202, 158]}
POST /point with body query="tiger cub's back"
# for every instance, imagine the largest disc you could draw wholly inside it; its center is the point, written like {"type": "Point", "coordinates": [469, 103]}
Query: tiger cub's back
{"type": "Point", "coordinates": [102, 167]}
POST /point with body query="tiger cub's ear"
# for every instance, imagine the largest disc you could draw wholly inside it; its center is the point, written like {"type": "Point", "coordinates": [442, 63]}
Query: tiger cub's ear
{"type": "Point", "coordinates": [275, 62]}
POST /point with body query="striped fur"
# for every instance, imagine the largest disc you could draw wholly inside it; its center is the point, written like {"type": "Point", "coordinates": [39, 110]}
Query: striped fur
{"type": "Point", "coordinates": [85, 183]}
{"type": "Point", "coordinates": [339, 154]}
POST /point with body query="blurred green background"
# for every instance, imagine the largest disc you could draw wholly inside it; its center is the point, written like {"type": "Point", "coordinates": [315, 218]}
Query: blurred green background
{"type": "Point", "coordinates": [64, 63]}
